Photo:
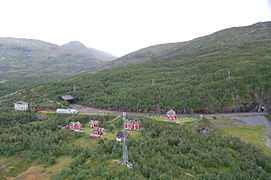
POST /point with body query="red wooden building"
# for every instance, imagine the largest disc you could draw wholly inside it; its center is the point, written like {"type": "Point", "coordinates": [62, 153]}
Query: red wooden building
{"type": "Point", "coordinates": [73, 126]}
{"type": "Point", "coordinates": [132, 125]}
{"type": "Point", "coordinates": [99, 131]}
{"type": "Point", "coordinates": [171, 115]}
{"type": "Point", "coordinates": [93, 123]}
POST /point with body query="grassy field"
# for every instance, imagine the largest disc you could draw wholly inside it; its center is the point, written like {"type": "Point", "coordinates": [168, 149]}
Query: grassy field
{"type": "Point", "coordinates": [12, 167]}
{"type": "Point", "coordinates": [252, 134]}
{"type": "Point", "coordinates": [178, 121]}
{"type": "Point", "coordinates": [62, 162]}
{"type": "Point", "coordinates": [224, 121]}
{"type": "Point", "coordinates": [16, 168]}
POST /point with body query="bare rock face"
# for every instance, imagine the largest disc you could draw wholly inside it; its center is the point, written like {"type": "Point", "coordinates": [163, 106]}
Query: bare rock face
{"type": "Point", "coordinates": [245, 107]}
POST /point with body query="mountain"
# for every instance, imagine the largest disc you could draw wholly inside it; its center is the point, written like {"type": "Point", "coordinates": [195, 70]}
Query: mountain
{"type": "Point", "coordinates": [26, 62]}
{"type": "Point", "coordinates": [215, 42]}
{"type": "Point", "coordinates": [97, 54]}
{"type": "Point", "coordinates": [226, 71]}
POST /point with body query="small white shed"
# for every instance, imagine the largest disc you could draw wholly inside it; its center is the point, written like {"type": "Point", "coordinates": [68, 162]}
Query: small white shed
{"type": "Point", "coordinates": [21, 106]}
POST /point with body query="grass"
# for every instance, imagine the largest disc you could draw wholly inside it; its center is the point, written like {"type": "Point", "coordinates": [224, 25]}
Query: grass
{"type": "Point", "coordinates": [13, 167]}
{"type": "Point", "coordinates": [20, 169]}
{"type": "Point", "coordinates": [178, 121]}
{"type": "Point", "coordinates": [252, 135]}
{"type": "Point", "coordinates": [187, 120]}
{"type": "Point", "coordinates": [34, 173]}
{"type": "Point", "coordinates": [93, 114]}
{"type": "Point", "coordinates": [225, 121]}
{"type": "Point", "coordinates": [85, 142]}
{"type": "Point", "coordinates": [62, 162]}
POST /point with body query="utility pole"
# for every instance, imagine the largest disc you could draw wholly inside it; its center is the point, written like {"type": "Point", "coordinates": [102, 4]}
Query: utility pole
{"type": "Point", "coordinates": [74, 88]}
{"type": "Point", "coordinates": [124, 146]}
{"type": "Point", "coordinates": [229, 73]}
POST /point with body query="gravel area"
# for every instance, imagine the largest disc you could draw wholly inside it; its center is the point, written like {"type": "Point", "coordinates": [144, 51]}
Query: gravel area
{"type": "Point", "coordinates": [255, 121]}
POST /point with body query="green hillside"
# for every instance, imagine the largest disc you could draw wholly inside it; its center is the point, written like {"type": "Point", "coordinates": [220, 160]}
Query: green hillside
{"type": "Point", "coordinates": [210, 78]}
{"type": "Point", "coordinates": [26, 62]}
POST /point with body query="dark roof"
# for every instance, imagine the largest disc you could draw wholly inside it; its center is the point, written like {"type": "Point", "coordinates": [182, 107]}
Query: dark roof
{"type": "Point", "coordinates": [21, 102]}
{"type": "Point", "coordinates": [121, 134]}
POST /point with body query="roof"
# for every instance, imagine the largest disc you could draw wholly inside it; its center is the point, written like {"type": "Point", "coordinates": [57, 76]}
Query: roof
{"type": "Point", "coordinates": [171, 112]}
{"type": "Point", "coordinates": [94, 135]}
{"type": "Point", "coordinates": [76, 123]}
{"type": "Point", "coordinates": [20, 102]}
{"type": "Point", "coordinates": [94, 122]}
{"type": "Point", "coordinates": [99, 129]}
{"type": "Point", "coordinates": [67, 97]}
{"type": "Point", "coordinates": [132, 121]}
{"type": "Point", "coordinates": [121, 134]}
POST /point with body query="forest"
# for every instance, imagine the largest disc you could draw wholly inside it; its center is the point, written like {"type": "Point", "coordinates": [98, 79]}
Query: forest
{"type": "Point", "coordinates": [160, 151]}
{"type": "Point", "coordinates": [209, 74]}
{"type": "Point", "coordinates": [203, 84]}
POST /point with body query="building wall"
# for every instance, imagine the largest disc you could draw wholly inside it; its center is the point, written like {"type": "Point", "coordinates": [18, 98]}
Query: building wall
{"type": "Point", "coordinates": [21, 107]}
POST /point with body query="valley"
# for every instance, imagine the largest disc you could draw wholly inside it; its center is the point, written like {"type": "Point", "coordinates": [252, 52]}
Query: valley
{"type": "Point", "coordinates": [61, 109]}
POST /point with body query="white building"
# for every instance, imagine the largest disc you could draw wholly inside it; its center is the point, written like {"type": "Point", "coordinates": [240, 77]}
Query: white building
{"type": "Point", "coordinates": [21, 106]}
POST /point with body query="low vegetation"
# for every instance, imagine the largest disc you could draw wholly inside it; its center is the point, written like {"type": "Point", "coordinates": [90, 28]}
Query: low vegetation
{"type": "Point", "coordinates": [251, 134]}
{"type": "Point", "coordinates": [208, 74]}
{"type": "Point", "coordinates": [160, 150]}
{"type": "Point", "coordinates": [209, 82]}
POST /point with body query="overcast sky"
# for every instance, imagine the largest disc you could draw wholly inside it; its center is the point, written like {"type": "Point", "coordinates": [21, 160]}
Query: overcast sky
{"type": "Point", "coordinates": [122, 26]}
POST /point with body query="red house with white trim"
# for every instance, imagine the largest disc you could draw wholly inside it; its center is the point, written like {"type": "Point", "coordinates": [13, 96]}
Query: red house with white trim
{"type": "Point", "coordinates": [93, 123]}
{"type": "Point", "coordinates": [99, 131]}
{"type": "Point", "coordinates": [73, 126]}
{"type": "Point", "coordinates": [171, 115]}
{"type": "Point", "coordinates": [132, 125]}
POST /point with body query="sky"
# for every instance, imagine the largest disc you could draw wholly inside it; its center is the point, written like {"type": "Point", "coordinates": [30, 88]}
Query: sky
{"type": "Point", "coordinates": [123, 26]}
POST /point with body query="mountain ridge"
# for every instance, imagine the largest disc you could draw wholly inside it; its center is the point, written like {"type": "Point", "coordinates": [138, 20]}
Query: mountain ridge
{"type": "Point", "coordinates": [80, 47]}
{"type": "Point", "coordinates": [182, 48]}
{"type": "Point", "coordinates": [26, 62]}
